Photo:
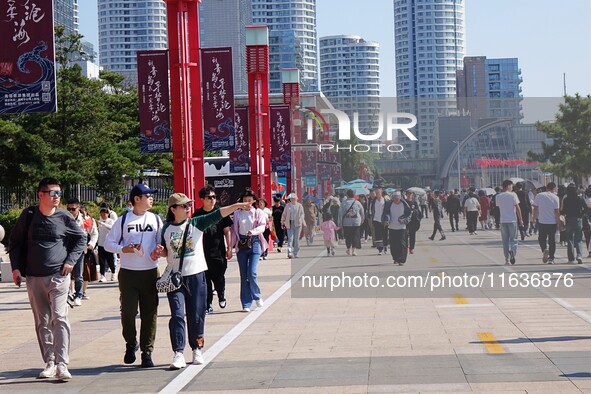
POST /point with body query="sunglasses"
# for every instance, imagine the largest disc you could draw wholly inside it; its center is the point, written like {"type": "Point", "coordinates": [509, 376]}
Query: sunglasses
{"type": "Point", "coordinates": [186, 206]}
{"type": "Point", "coordinates": [148, 195]}
{"type": "Point", "coordinates": [53, 193]}
{"type": "Point", "coordinates": [71, 209]}
{"type": "Point", "coordinates": [212, 197]}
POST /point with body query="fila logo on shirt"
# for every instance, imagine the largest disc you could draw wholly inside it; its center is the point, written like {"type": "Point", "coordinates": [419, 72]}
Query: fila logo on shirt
{"type": "Point", "coordinates": [140, 228]}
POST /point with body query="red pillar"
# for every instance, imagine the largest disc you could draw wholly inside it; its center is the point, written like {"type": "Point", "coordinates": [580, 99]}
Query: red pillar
{"type": "Point", "coordinates": [185, 95]}
{"type": "Point", "coordinates": [257, 67]}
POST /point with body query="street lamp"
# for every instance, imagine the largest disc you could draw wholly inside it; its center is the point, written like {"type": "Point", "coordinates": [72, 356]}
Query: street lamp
{"type": "Point", "coordinates": [458, 160]}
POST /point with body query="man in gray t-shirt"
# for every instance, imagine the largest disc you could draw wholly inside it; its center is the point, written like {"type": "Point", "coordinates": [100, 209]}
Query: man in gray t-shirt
{"type": "Point", "coordinates": [46, 242]}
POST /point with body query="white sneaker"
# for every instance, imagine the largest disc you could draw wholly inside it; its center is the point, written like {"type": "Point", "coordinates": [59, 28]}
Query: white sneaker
{"type": "Point", "coordinates": [379, 253]}
{"type": "Point", "coordinates": [85, 296]}
{"type": "Point", "coordinates": [112, 276]}
{"type": "Point", "coordinates": [62, 372]}
{"type": "Point", "coordinates": [48, 372]}
{"type": "Point", "coordinates": [353, 253]}
{"type": "Point", "coordinates": [260, 303]}
{"type": "Point", "coordinates": [77, 301]}
{"type": "Point", "coordinates": [245, 309]}
{"type": "Point", "coordinates": [102, 279]}
{"type": "Point", "coordinates": [198, 357]}
{"type": "Point", "coordinates": [178, 361]}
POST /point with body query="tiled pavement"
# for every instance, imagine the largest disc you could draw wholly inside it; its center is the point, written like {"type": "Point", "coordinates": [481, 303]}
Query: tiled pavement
{"type": "Point", "coordinates": [362, 340]}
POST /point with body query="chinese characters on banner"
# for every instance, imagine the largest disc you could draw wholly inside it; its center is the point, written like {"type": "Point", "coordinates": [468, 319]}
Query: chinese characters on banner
{"type": "Point", "coordinates": [153, 94]}
{"type": "Point", "coordinates": [218, 99]}
{"type": "Point", "coordinates": [280, 139]}
{"type": "Point", "coordinates": [240, 157]}
{"type": "Point", "coordinates": [27, 70]}
{"type": "Point", "coordinates": [308, 160]}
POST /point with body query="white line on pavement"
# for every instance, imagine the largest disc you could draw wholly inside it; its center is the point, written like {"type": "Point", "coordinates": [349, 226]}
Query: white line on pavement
{"type": "Point", "coordinates": [184, 378]}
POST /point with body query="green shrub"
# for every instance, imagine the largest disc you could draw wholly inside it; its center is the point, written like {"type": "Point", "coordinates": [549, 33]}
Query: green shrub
{"type": "Point", "coordinates": [8, 220]}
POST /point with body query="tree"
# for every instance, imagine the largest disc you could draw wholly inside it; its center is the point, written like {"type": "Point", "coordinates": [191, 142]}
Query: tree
{"type": "Point", "coordinates": [570, 154]}
{"type": "Point", "coordinates": [93, 139]}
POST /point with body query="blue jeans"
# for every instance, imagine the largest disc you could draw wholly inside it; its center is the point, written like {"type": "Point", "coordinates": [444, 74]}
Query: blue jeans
{"type": "Point", "coordinates": [248, 261]}
{"type": "Point", "coordinates": [574, 236]}
{"type": "Point", "coordinates": [193, 303]}
{"type": "Point", "coordinates": [509, 237]}
{"type": "Point", "coordinates": [77, 276]}
{"type": "Point", "coordinates": [293, 240]}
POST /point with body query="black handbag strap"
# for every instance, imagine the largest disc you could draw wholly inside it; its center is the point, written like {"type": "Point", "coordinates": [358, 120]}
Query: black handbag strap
{"type": "Point", "coordinates": [183, 246]}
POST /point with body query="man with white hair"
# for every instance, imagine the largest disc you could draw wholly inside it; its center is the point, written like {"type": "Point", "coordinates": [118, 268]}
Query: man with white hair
{"type": "Point", "coordinates": [292, 220]}
{"type": "Point", "coordinates": [395, 217]}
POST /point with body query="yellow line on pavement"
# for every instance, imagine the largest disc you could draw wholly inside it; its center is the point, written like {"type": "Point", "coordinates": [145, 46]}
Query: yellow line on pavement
{"type": "Point", "coordinates": [460, 299]}
{"type": "Point", "coordinates": [490, 342]}
{"type": "Point", "coordinates": [433, 259]}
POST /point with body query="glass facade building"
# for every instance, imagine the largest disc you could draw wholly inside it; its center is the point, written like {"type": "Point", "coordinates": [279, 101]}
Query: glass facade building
{"type": "Point", "coordinates": [292, 39]}
{"type": "Point", "coordinates": [350, 77]}
{"type": "Point", "coordinates": [66, 14]}
{"type": "Point", "coordinates": [490, 88]}
{"type": "Point", "coordinates": [221, 24]}
{"type": "Point", "coordinates": [429, 38]}
{"type": "Point", "coordinates": [126, 27]}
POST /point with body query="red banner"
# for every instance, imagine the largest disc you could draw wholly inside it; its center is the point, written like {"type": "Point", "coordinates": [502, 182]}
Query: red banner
{"type": "Point", "coordinates": [280, 139]}
{"type": "Point", "coordinates": [240, 157]}
{"type": "Point", "coordinates": [27, 70]}
{"type": "Point", "coordinates": [153, 95]}
{"type": "Point", "coordinates": [218, 99]}
{"type": "Point", "coordinates": [308, 160]}
{"type": "Point", "coordinates": [486, 162]}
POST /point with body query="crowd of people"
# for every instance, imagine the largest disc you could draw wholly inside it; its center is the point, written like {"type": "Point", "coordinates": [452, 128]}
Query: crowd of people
{"type": "Point", "coordinates": [55, 248]}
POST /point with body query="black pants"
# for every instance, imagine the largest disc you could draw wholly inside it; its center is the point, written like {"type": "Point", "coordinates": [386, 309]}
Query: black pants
{"type": "Point", "coordinates": [215, 276]}
{"type": "Point", "coordinates": [106, 259]}
{"type": "Point", "coordinates": [525, 216]}
{"type": "Point", "coordinates": [352, 237]}
{"type": "Point", "coordinates": [280, 232]}
{"type": "Point", "coordinates": [472, 218]}
{"type": "Point", "coordinates": [425, 211]}
{"type": "Point", "coordinates": [411, 232]}
{"type": "Point", "coordinates": [378, 235]}
{"type": "Point", "coordinates": [454, 216]}
{"type": "Point", "coordinates": [546, 233]}
{"type": "Point", "coordinates": [437, 227]}
{"type": "Point", "coordinates": [398, 245]}
{"type": "Point", "coordinates": [266, 235]}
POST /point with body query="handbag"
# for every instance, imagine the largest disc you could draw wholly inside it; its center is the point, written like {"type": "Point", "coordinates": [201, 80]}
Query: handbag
{"type": "Point", "coordinates": [245, 244]}
{"type": "Point", "coordinates": [173, 280]}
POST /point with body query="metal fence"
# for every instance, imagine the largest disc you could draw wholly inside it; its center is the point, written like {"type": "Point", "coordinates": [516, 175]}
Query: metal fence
{"type": "Point", "coordinates": [18, 197]}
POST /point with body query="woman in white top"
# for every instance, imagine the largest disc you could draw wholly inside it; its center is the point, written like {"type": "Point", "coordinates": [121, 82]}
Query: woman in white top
{"type": "Point", "coordinates": [247, 236]}
{"type": "Point", "coordinates": [192, 295]}
{"type": "Point", "coordinates": [472, 211]}
{"type": "Point", "coordinates": [292, 220]}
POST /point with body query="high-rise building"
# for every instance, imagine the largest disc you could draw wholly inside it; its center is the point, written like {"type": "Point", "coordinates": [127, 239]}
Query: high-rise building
{"type": "Point", "coordinates": [490, 88]}
{"type": "Point", "coordinates": [221, 24]}
{"type": "Point", "coordinates": [350, 77]}
{"type": "Point", "coordinates": [292, 39]}
{"type": "Point", "coordinates": [429, 39]}
{"type": "Point", "coordinates": [126, 27]}
{"type": "Point", "coordinates": [65, 13]}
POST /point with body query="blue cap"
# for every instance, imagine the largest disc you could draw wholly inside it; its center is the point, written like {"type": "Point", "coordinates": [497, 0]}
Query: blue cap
{"type": "Point", "coordinates": [140, 189]}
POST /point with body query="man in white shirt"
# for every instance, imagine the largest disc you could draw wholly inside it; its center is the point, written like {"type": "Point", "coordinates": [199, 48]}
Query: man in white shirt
{"type": "Point", "coordinates": [510, 215]}
{"type": "Point", "coordinates": [376, 209]}
{"type": "Point", "coordinates": [472, 210]}
{"type": "Point", "coordinates": [547, 212]}
{"type": "Point", "coordinates": [137, 272]}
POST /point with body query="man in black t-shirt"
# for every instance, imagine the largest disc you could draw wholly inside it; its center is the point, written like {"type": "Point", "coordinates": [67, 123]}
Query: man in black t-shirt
{"type": "Point", "coordinates": [217, 247]}
{"type": "Point", "coordinates": [277, 212]}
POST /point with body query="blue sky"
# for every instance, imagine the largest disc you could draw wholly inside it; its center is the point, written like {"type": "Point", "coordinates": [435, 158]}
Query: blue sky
{"type": "Point", "coordinates": [549, 37]}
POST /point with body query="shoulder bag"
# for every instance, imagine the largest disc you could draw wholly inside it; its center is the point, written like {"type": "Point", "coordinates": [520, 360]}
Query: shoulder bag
{"type": "Point", "coordinates": [173, 280]}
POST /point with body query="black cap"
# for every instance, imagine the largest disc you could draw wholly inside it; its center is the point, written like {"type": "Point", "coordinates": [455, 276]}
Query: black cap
{"type": "Point", "coordinates": [140, 189]}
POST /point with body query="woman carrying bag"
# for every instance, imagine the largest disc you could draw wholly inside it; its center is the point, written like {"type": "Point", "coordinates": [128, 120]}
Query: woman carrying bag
{"type": "Point", "coordinates": [247, 236]}
{"type": "Point", "coordinates": [182, 246]}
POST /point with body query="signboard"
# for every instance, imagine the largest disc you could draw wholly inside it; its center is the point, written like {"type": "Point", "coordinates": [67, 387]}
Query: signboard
{"type": "Point", "coordinates": [240, 157]}
{"type": "Point", "coordinates": [280, 139]}
{"type": "Point", "coordinates": [153, 96]}
{"type": "Point", "coordinates": [228, 188]}
{"type": "Point", "coordinates": [308, 162]}
{"type": "Point", "coordinates": [27, 68]}
{"type": "Point", "coordinates": [218, 99]}
{"type": "Point", "coordinates": [311, 181]}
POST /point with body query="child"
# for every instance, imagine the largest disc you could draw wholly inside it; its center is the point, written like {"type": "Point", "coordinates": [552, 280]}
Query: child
{"type": "Point", "coordinates": [328, 228]}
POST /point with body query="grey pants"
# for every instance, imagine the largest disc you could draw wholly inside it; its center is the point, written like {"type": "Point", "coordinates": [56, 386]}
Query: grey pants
{"type": "Point", "coordinates": [48, 296]}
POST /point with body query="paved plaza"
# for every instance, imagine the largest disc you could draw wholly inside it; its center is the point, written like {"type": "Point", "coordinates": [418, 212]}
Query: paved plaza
{"type": "Point", "coordinates": [496, 339]}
